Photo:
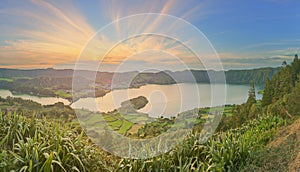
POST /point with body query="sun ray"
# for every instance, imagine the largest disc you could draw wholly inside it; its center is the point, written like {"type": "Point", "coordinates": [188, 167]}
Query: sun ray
{"type": "Point", "coordinates": [51, 31]}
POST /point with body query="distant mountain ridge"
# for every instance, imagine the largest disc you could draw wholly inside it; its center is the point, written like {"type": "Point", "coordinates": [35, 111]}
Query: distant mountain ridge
{"type": "Point", "coordinates": [243, 76]}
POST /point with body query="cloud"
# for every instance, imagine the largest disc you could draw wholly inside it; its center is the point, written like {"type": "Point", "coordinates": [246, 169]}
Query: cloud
{"type": "Point", "coordinates": [265, 45]}
{"type": "Point", "coordinates": [52, 33]}
{"type": "Point", "coordinates": [256, 60]}
{"type": "Point", "coordinates": [47, 34]}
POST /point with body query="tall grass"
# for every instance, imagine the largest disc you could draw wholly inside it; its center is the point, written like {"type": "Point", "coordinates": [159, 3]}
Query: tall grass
{"type": "Point", "coordinates": [31, 144]}
{"type": "Point", "coordinates": [227, 151]}
{"type": "Point", "coordinates": [38, 145]}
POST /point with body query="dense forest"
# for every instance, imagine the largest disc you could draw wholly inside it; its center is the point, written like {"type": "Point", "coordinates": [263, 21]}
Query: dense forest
{"type": "Point", "coordinates": [280, 97]}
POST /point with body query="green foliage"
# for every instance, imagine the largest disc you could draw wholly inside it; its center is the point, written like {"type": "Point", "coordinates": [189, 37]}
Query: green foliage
{"type": "Point", "coordinates": [155, 128]}
{"type": "Point", "coordinates": [29, 107]}
{"type": "Point", "coordinates": [6, 79]}
{"type": "Point", "coordinates": [281, 94]}
{"type": "Point", "coordinates": [63, 94]}
{"type": "Point", "coordinates": [293, 100]}
{"type": "Point", "coordinates": [126, 125]}
{"type": "Point", "coordinates": [267, 97]}
{"type": "Point", "coordinates": [46, 146]}
{"type": "Point", "coordinates": [259, 76]}
{"type": "Point", "coordinates": [152, 78]}
{"type": "Point", "coordinates": [282, 83]}
{"type": "Point", "coordinates": [227, 151]}
{"type": "Point", "coordinates": [280, 97]}
{"type": "Point", "coordinates": [130, 106]}
{"type": "Point", "coordinates": [242, 113]}
{"type": "Point", "coordinates": [29, 144]}
{"type": "Point", "coordinates": [114, 120]}
{"type": "Point", "coordinates": [251, 95]}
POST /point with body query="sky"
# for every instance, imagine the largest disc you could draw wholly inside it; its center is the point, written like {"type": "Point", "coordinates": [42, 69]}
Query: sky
{"type": "Point", "coordinates": [132, 35]}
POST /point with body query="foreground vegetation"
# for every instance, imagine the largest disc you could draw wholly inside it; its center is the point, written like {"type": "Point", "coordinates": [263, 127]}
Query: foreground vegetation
{"type": "Point", "coordinates": [30, 144]}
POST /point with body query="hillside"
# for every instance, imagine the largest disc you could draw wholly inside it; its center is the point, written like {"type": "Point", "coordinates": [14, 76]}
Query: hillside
{"type": "Point", "coordinates": [244, 76]}
{"type": "Point", "coordinates": [52, 82]}
{"type": "Point", "coordinates": [283, 153]}
{"type": "Point", "coordinates": [31, 143]}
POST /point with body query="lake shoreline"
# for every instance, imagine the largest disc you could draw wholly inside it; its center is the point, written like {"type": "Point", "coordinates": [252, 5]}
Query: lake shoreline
{"type": "Point", "coordinates": [156, 94]}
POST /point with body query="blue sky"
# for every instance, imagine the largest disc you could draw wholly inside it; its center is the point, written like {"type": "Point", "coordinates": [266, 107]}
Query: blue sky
{"type": "Point", "coordinates": [245, 34]}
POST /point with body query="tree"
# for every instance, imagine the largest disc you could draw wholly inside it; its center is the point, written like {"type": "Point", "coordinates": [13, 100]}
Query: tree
{"type": "Point", "coordinates": [293, 100]}
{"type": "Point", "coordinates": [251, 95]}
{"type": "Point", "coordinates": [284, 64]}
{"type": "Point", "coordinates": [253, 111]}
{"type": "Point", "coordinates": [295, 68]}
{"type": "Point", "coordinates": [267, 96]}
{"type": "Point", "coordinates": [296, 58]}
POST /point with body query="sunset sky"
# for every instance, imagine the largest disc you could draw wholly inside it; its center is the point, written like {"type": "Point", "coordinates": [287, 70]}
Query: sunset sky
{"type": "Point", "coordinates": [53, 33]}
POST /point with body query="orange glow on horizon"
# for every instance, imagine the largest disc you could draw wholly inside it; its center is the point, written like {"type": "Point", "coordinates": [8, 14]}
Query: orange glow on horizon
{"type": "Point", "coordinates": [53, 36]}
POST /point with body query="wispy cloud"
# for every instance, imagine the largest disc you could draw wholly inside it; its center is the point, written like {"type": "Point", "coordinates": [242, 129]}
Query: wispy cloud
{"type": "Point", "coordinates": [265, 45]}
{"type": "Point", "coordinates": [258, 59]}
{"type": "Point", "coordinates": [42, 33]}
{"type": "Point", "coordinates": [49, 33]}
